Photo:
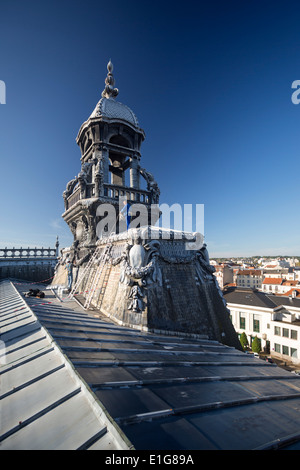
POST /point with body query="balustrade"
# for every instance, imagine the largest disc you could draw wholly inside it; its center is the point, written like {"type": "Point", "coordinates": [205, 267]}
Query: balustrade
{"type": "Point", "coordinates": [114, 192]}
{"type": "Point", "coordinates": [27, 253]}
{"type": "Point", "coordinates": [73, 198]}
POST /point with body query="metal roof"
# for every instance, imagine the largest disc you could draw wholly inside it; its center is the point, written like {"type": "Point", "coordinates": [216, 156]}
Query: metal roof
{"type": "Point", "coordinates": [162, 391]}
{"type": "Point", "coordinates": [108, 107]}
{"type": "Point", "coordinates": [44, 404]}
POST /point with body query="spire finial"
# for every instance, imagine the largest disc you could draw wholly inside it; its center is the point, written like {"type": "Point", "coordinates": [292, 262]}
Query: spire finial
{"type": "Point", "coordinates": [109, 90]}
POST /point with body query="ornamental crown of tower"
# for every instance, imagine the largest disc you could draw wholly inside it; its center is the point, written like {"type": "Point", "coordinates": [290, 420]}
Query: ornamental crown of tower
{"type": "Point", "coordinates": [110, 142]}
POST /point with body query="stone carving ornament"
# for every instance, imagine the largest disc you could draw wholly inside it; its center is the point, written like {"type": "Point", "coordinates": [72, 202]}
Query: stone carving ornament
{"type": "Point", "coordinates": [152, 185]}
{"type": "Point", "coordinates": [139, 263]}
{"type": "Point", "coordinates": [136, 303]}
{"type": "Point", "coordinates": [140, 267]}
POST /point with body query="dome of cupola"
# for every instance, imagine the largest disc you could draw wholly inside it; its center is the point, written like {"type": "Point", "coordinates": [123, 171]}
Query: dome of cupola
{"type": "Point", "coordinates": [108, 107]}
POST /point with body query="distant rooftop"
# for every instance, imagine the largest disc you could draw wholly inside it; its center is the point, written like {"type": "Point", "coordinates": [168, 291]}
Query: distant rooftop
{"type": "Point", "coordinates": [247, 296]}
{"type": "Point", "coordinates": [253, 297]}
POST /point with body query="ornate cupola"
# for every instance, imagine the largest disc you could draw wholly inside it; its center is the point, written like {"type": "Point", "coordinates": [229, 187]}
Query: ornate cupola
{"type": "Point", "coordinates": [150, 279]}
{"type": "Point", "coordinates": [110, 142]}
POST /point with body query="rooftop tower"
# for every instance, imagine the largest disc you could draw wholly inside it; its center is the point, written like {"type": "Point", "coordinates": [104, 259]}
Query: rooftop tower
{"type": "Point", "coordinates": [110, 142]}
{"type": "Point", "coordinates": [146, 277]}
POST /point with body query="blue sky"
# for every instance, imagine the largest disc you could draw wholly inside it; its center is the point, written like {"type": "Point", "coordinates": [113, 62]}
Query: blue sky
{"type": "Point", "coordinates": [210, 83]}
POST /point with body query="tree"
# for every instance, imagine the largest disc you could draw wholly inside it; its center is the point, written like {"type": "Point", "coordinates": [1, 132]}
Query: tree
{"type": "Point", "coordinates": [256, 345]}
{"type": "Point", "coordinates": [244, 340]}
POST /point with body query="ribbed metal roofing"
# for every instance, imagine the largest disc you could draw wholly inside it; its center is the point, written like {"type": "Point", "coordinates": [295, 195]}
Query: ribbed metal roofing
{"type": "Point", "coordinates": [44, 404]}
{"type": "Point", "coordinates": [163, 392]}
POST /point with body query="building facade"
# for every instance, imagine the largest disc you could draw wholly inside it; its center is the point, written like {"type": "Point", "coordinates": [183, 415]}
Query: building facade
{"type": "Point", "coordinates": [275, 320]}
{"type": "Point", "coordinates": [249, 278]}
{"type": "Point", "coordinates": [279, 285]}
{"type": "Point", "coordinates": [223, 274]}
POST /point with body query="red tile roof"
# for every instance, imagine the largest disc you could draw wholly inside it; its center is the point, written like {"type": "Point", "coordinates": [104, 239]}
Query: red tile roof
{"type": "Point", "coordinates": [289, 293]}
{"type": "Point", "coordinates": [290, 283]}
{"type": "Point", "coordinates": [273, 280]}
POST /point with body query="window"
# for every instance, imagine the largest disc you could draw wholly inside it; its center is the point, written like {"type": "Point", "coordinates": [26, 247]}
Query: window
{"type": "Point", "coordinates": [277, 331]}
{"type": "Point", "coordinates": [294, 353]}
{"type": "Point", "coordinates": [277, 348]}
{"type": "Point", "coordinates": [285, 332]}
{"type": "Point", "coordinates": [242, 323]}
{"type": "Point", "coordinates": [256, 326]}
{"type": "Point", "coordinates": [294, 334]}
{"type": "Point", "coordinates": [285, 350]}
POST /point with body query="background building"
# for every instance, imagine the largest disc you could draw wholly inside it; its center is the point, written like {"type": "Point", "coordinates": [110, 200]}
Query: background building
{"type": "Point", "coordinates": [275, 320]}
{"type": "Point", "coordinates": [279, 285]}
{"type": "Point", "coordinates": [223, 274]}
{"type": "Point", "coordinates": [249, 278]}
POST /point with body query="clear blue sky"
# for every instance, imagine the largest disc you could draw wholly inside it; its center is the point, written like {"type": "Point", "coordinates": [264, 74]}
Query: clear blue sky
{"type": "Point", "coordinates": [210, 83]}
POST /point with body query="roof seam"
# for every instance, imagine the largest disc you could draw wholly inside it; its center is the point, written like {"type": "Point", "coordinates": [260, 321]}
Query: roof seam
{"type": "Point", "coordinates": [42, 412]}
{"type": "Point", "coordinates": [86, 445]}
{"type": "Point", "coordinates": [202, 408]}
{"type": "Point", "coordinates": [30, 382]}
{"type": "Point", "coordinates": [241, 378]}
{"type": "Point", "coordinates": [25, 361]}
